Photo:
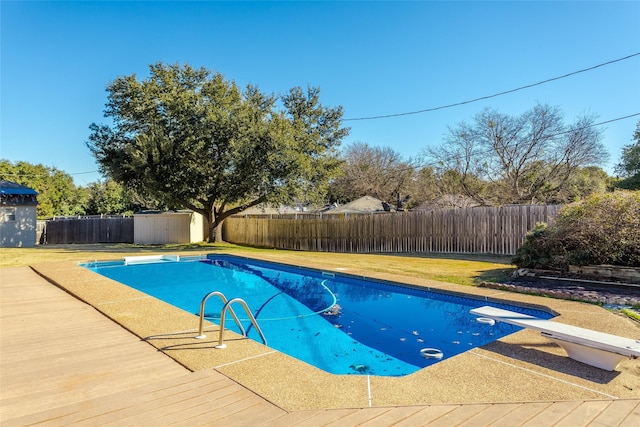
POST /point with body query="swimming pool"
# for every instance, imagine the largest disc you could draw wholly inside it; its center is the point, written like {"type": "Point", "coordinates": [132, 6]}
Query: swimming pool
{"type": "Point", "coordinates": [336, 322]}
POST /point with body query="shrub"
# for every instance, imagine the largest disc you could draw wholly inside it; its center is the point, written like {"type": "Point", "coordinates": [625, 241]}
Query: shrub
{"type": "Point", "coordinates": [538, 249]}
{"type": "Point", "coordinates": [602, 229]}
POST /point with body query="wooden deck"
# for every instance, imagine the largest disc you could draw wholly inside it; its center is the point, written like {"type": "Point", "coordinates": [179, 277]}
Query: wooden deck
{"type": "Point", "coordinates": [63, 363]}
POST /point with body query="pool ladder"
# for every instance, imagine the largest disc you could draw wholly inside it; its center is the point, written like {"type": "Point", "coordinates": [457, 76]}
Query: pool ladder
{"type": "Point", "coordinates": [227, 307]}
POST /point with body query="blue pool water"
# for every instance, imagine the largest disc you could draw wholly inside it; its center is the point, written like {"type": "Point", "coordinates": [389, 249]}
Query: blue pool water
{"type": "Point", "coordinates": [338, 323]}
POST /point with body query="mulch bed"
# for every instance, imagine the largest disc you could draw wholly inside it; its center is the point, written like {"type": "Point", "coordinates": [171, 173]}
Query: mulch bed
{"type": "Point", "coordinates": [611, 294]}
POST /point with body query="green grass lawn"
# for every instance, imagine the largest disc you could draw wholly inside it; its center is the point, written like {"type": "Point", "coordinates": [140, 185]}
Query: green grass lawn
{"type": "Point", "coordinates": [453, 268]}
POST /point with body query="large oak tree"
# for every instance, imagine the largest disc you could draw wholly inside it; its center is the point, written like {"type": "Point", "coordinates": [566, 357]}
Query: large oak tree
{"type": "Point", "coordinates": [192, 139]}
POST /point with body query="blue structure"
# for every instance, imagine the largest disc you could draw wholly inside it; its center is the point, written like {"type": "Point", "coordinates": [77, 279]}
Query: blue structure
{"type": "Point", "coordinates": [18, 220]}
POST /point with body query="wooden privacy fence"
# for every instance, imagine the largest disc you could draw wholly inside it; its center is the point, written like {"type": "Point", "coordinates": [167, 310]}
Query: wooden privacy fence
{"type": "Point", "coordinates": [487, 230]}
{"type": "Point", "coordinates": [89, 229]}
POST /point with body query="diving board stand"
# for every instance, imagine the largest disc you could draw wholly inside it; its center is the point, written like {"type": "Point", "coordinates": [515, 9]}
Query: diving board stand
{"type": "Point", "coordinates": [594, 348]}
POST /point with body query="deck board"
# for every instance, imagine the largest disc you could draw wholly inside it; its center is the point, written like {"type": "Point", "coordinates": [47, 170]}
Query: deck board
{"type": "Point", "coordinates": [616, 412]}
{"type": "Point", "coordinates": [489, 415]}
{"type": "Point", "coordinates": [427, 415]}
{"type": "Point", "coordinates": [520, 415]}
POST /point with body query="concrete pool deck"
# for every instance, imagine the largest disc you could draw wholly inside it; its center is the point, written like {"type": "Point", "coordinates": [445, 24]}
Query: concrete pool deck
{"type": "Point", "coordinates": [523, 367]}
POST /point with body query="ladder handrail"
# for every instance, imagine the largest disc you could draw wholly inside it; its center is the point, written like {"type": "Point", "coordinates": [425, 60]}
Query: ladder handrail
{"type": "Point", "coordinates": [224, 301]}
{"type": "Point", "coordinates": [227, 306]}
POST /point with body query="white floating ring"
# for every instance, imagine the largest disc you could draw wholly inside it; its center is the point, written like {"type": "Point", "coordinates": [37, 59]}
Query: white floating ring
{"type": "Point", "coordinates": [486, 321]}
{"type": "Point", "coordinates": [431, 353]}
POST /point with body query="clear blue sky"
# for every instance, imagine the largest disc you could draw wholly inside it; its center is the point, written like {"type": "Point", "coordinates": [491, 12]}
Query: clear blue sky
{"type": "Point", "coordinates": [373, 58]}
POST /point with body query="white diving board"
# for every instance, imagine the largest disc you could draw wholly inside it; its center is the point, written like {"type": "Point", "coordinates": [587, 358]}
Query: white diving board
{"type": "Point", "coordinates": [594, 348]}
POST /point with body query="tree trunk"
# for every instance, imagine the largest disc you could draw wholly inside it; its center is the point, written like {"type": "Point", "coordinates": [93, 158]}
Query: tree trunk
{"type": "Point", "coordinates": [211, 225]}
{"type": "Point", "coordinates": [215, 227]}
{"type": "Point", "coordinates": [215, 232]}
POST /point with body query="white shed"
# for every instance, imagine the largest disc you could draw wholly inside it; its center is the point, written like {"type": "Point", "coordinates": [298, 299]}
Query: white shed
{"type": "Point", "coordinates": [158, 228]}
{"type": "Point", "coordinates": [18, 222]}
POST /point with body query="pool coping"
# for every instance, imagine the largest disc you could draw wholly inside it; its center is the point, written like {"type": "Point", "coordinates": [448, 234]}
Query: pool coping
{"type": "Point", "coordinates": [521, 367]}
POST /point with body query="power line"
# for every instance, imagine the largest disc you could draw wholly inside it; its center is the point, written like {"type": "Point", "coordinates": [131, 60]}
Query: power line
{"type": "Point", "coordinates": [602, 123]}
{"type": "Point", "coordinates": [442, 107]}
{"type": "Point", "coordinates": [83, 173]}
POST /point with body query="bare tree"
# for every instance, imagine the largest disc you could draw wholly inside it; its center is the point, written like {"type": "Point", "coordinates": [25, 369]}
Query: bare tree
{"type": "Point", "coordinates": [459, 162]}
{"type": "Point", "coordinates": [380, 172]}
{"type": "Point", "coordinates": [523, 159]}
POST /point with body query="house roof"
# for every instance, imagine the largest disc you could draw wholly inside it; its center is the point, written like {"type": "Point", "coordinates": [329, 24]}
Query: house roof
{"type": "Point", "coordinates": [362, 205]}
